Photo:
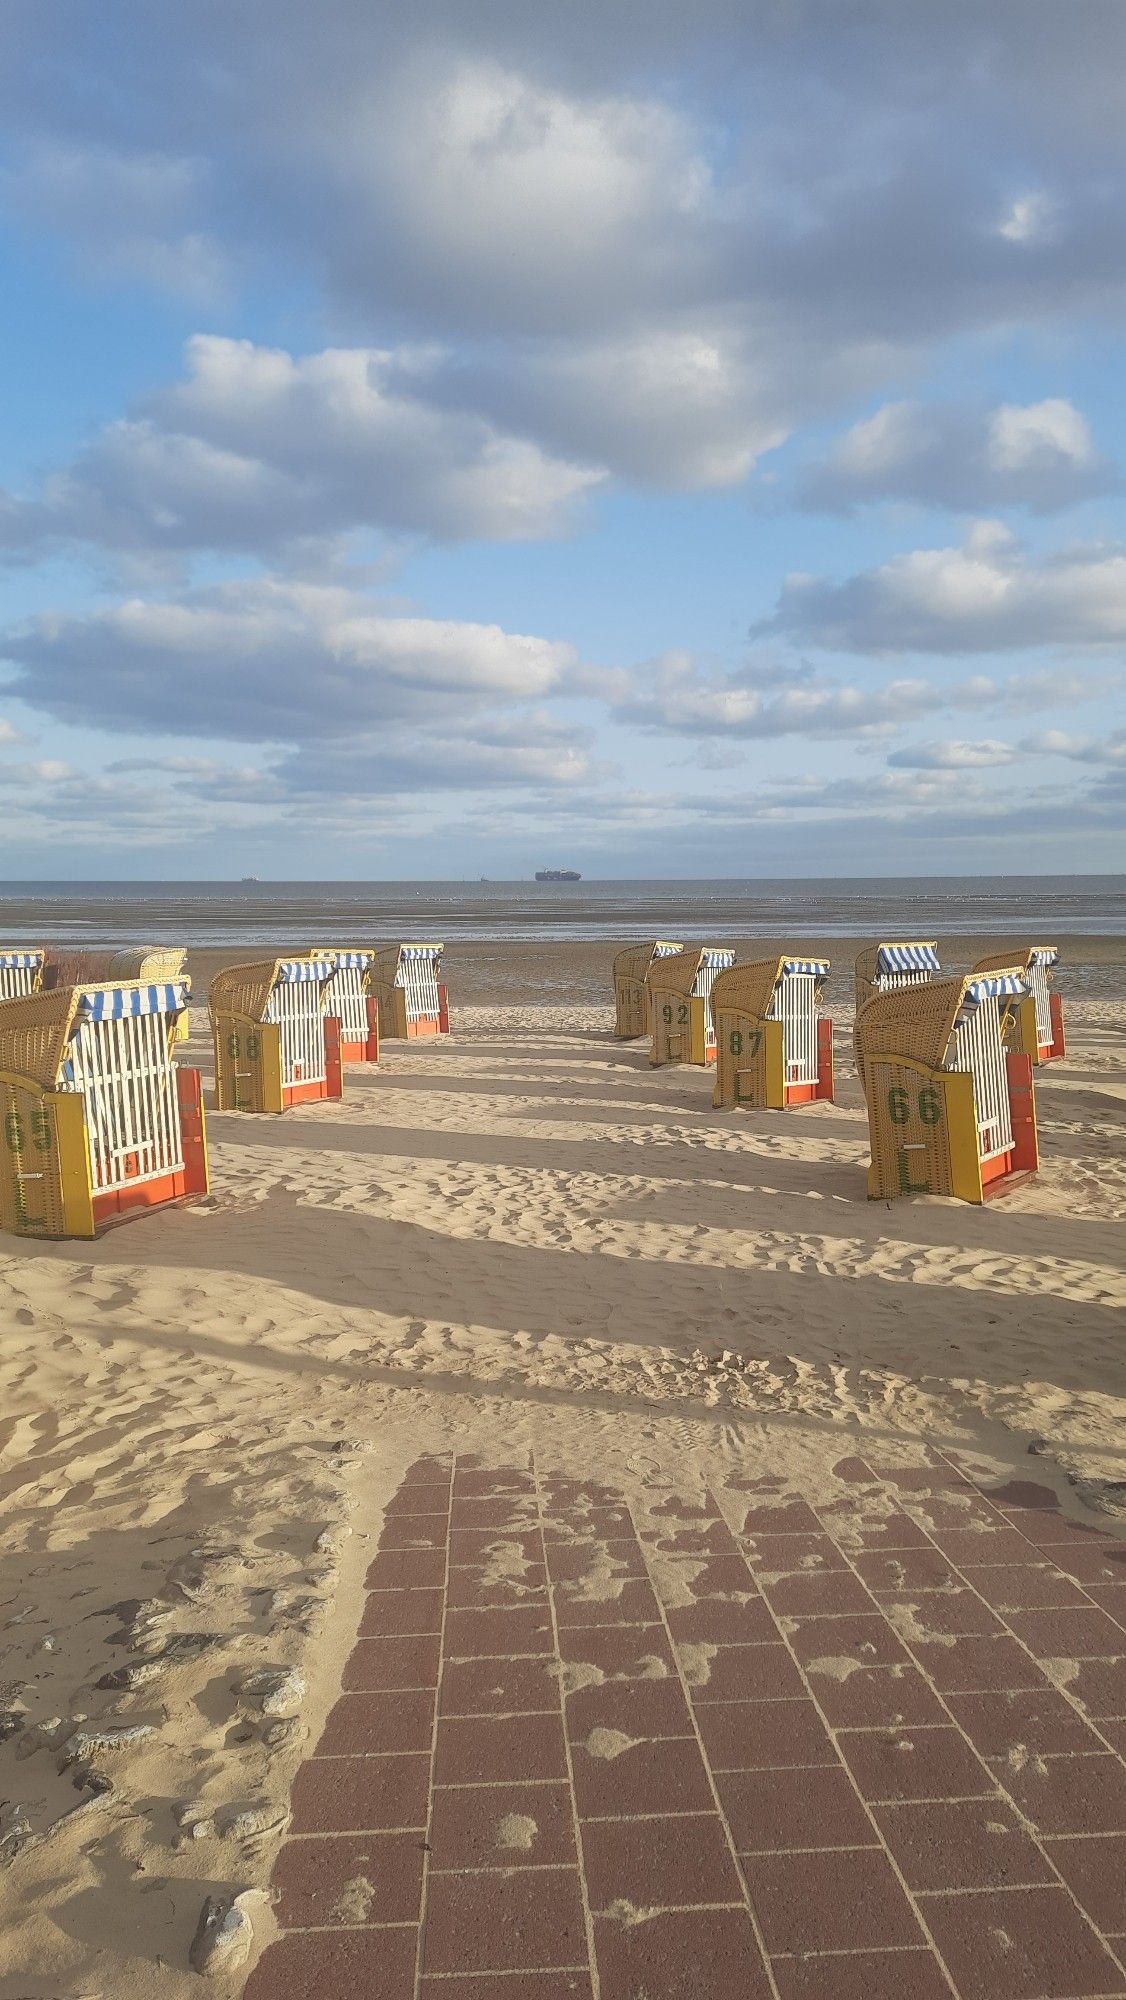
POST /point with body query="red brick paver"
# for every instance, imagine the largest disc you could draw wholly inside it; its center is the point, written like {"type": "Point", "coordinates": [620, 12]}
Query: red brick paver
{"type": "Point", "coordinates": [717, 1746]}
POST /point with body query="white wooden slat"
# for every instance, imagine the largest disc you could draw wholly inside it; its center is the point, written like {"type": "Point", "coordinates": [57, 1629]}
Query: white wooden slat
{"type": "Point", "coordinates": [419, 980]}
{"type": "Point", "coordinates": [976, 1046]}
{"type": "Point", "coordinates": [1037, 976]}
{"type": "Point", "coordinates": [348, 1000]}
{"type": "Point", "coordinates": [124, 1070]}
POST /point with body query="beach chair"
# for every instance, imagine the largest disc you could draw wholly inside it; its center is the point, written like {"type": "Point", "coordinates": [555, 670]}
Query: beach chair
{"type": "Point", "coordinates": [679, 991]}
{"type": "Point", "coordinates": [276, 1042]}
{"type": "Point", "coordinates": [406, 981]}
{"type": "Point", "coordinates": [774, 1045]}
{"type": "Point", "coordinates": [951, 1107]}
{"type": "Point", "coordinates": [98, 1119]}
{"type": "Point", "coordinates": [21, 972]}
{"type": "Point", "coordinates": [883, 968]}
{"type": "Point", "coordinates": [1038, 1021]}
{"type": "Point", "coordinates": [631, 993]}
{"type": "Point", "coordinates": [155, 964]}
{"type": "Point", "coordinates": [353, 1002]}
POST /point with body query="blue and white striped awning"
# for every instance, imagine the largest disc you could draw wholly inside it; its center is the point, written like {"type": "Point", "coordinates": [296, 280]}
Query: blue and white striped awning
{"type": "Point", "coordinates": [996, 986]}
{"type": "Point", "coordinates": [907, 958]}
{"type": "Point", "coordinates": [718, 959]}
{"type": "Point", "coordinates": [819, 967]}
{"type": "Point", "coordinates": [421, 950]}
{"type": "Point", "coordinates": [299, 971]}
{"type": "Point", "coordinates": [128, 1003]}
{"type": "Point", "coordinates": [20, 961]}
{"type": "Point", "coordinates": [1043, 954]}
{"type": "Point", "coordinates": [663, 949]}
{"type": "Point", "coordinates": [351, 961]}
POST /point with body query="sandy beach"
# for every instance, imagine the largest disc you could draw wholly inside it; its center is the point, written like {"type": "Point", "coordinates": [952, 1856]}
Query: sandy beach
{"type": "Point", "coordinates": [522, 1241]}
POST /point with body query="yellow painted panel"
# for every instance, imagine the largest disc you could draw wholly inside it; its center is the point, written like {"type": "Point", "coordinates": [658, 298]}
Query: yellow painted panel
{"type": "Point", "coordinates": [965, 1154]}
{"type": "Point", "coordinates": [774, 1049]}
{"type": "Point", "coordinates": [269, 1065]}
{"type": "Point", "coordinates": [1025, 1037]}
{"type": "Point", "coordinates": [698, 1028]}
{"type": "Point", "coordinates": [74, 1162]}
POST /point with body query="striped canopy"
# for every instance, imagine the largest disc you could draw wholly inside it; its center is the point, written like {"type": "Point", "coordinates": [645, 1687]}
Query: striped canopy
{"type": "Point", "coordinates": [663, 949]}
{"type": "Point", "coordinates": [907, 958]}
{"type": "Point", "coordinates": [127, 1003]}
{"type": "Point", "coordinates": [998, 986]}
{"type": "Point", "coordinates": [714, 958]}
{"type": "Point", "coordinates": [1041, 954]}
{"type": "Point", "coordinates": [351, 961]}
{"type": "Point", "coordinates": [421, 950]}
{"type": "Point", "coordinates": [819, 967]}
{"type": "Point", "coordinates": [297, 971]}
{"type": "Point", "coordinates": [22, 961]}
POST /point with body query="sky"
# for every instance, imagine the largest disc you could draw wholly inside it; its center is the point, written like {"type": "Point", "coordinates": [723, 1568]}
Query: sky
{"type": "Point", "coordinates": [657, 440]}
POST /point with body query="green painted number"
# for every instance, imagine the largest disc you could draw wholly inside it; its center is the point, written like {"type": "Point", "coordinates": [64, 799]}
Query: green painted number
{"type": "Point", "coordinates": [682, 1014]}
{"type": "Point", "coordinates": [41, 1134]}
{"type": "Point", "coordinates": [930, 1105]}
{"type": "Point", "coordinates": [899, 1110]}
{"type": "Point", "coordinates": [735, 1042]}
{"type": "Point", "coordinates": [666, 1015]}
{"type": "Point", "coordinates": [253, 1045]}
{"type": "Point", "coordinates": [233, 1049]}
{"type": "Point", "coordinates": [13, 1132]}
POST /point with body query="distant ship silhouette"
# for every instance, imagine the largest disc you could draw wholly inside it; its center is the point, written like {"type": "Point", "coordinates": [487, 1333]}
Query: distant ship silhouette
{"type": "Point", "coordinates": [558, 875]}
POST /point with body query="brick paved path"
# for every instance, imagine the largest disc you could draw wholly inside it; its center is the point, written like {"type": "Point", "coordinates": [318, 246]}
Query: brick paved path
{"type": "Point", "coordinates": [740, 1747]}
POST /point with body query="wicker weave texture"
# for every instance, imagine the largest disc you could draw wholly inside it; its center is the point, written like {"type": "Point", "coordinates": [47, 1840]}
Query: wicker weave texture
{"type": "Point", "coordinates": [1004, 961]}
{"type": "Point", "coordinates": [34, 1030]}
{"type": "Point", "coordinates": [243, 990]}
{"type": "Point", "coordinates": [749, 1062]}
{"type": "Point", "coordinates": [914, 1021]}
{"type": "Point", "coordinates": [678, 973]}
{"type": "Point", "coordinates": [746, 989]}
{"type": "Point", "coordinates": [910, 1149]}
{"type": "Point", "coordinates": [152, 966]}
{"type": "Point", "coordinates": [31, 1190]}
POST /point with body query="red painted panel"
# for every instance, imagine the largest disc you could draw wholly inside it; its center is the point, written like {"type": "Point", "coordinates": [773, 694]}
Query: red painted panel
{"type": "Point", "coordinates": [824, 1059]}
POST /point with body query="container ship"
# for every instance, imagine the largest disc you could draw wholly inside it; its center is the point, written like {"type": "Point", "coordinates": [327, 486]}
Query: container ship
{"type": "Point", "coordinates": [558, 875]}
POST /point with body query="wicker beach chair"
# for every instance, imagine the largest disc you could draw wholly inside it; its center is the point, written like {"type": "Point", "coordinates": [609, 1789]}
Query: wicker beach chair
{"type": "Point", "coordinates": [98, 1119]}
{"type": "Point", "coordinates": [679, 993]}
{"type": "Point", "coordinates": [951, 1109]}
{"type": "Point", "coordinates": [21, 971]}
{"type": "Point", "coordinates": [883, 968]}
{"type": "Point", "coordinates": [774, 1047]}
{"type": "Point", "coordinates": [631, 993]}
{"type": "Point", "coordinates": [1037, 1024]}
{"type": "Point", "coordinates": [406, 982]}
{"type": "Point", "coordinates": [352, 1001]}
{"type": "Point", "coordinates": [276, 1043]}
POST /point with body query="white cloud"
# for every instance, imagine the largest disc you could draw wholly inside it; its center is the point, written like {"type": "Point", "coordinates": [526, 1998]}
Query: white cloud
{"type": "Point", "coordinates": [349, 701]}
{"type": "Point", "coordinates": [1109, 749]}
{"type": "Point", "coordinates": [1024, 437]}
{"type": "Point", "coordinates": [675, 695]}
{"type": "Point", "coordinates": [261, 661]}
{"type": "Point", "coordinates": [256, 450]}
{"type": "Point", "coordinates": [984, 596]}
{"type": "Point", "coordinates": [477, 187]}
{"type": "Point", "coordinates": [983, 755]}
{"type": "Point", "coordinates": [1037, 455]}
{"type": "Point", "coordinates": [1030, 218]}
